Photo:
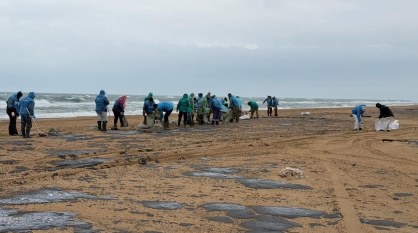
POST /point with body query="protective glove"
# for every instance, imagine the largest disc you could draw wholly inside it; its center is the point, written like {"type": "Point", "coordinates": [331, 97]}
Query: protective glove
{"type": "Point", "coordinates": [13, 114]}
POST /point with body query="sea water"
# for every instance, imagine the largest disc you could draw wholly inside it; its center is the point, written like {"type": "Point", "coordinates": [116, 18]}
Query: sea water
{"type": "Point", "coordinates": [49, 105]}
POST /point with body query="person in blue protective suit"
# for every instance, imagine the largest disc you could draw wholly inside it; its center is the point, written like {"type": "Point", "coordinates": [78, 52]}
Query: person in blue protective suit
{"type": "Point", "coordinates": [101, 110]}
{"type": "Point", "coordinates": [150, 95]}
{"type": "Point", "coordinates": [149, 106]}
{"type": "Point", "coordinates": [166, 107]}
{"type": "Point", "coordinates": [12, 110]}
{"type": "Point", "coordinates": [275, 104]}
{"type": "Point", "coordinates": [183, 107]}
{"type": "Point", "coordinates": [269, 105]}
{"type": "Point", "coordinates": [27, 112]}
{"type": "Point", "coordinates": [199, 97]}
{"type": "Point", "coordinates": [216, 108]}
{"type": "Point", "coordinates": [234, 106]}
{"type": "Point", "coordinates": [357, 113]}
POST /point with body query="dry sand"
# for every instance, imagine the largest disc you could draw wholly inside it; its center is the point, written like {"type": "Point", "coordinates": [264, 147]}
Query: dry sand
{"type": "Point", "coordinates": [354, 181]}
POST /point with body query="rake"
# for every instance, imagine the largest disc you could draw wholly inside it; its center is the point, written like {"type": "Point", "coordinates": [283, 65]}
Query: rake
{"type": "Point", "coordinates": [39, 132]}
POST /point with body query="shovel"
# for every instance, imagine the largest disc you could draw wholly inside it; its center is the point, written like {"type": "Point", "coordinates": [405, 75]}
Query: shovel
{"type": "Point", "coordinates": [39, 132]}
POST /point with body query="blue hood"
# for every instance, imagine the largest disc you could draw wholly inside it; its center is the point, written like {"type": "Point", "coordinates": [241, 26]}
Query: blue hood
{"type": "Point", "coordinates": [32, 95]}
{"type": "Point", "coordinates": [102, 92]}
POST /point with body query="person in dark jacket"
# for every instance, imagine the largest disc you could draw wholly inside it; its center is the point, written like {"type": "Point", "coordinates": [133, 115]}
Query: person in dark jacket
{"type": "Point", "coordinates": [12, 111]}
{"type": "Point", "coordinates": [118, 110]}
{"type": "Point", "coordinates": [101, 110]}
{"type": "Point", "coordinates": [387, 116]}
{"type": "Point", "coordinates": [27, 112]}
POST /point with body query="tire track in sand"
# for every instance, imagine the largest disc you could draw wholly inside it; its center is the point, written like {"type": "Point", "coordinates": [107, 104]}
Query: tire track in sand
{"type": "Point", "coordinates": [351, 221]}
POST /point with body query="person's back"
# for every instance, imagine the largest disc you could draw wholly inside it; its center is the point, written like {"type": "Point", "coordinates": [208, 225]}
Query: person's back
{"type": "Point", "coordinates": [384, 111]}
{"type": "Point", "coordinates": [27, 104]}
{"type": "Point", "coordinates": [358, 110]}
{"type": "Point", "coordinates": [165, 106]}
{"type": "Point", "coordinates": [26, 111]}
{"type": "Point", "coordinates": [101, 102]}
{"type": "Point", "coordinates": [275, 102]}
{"type": "Point", "coordinates": [216, 103]}
{"type": "Point", "coordinates": [184, 104]}
{"type": "Point", "coordinates": [233, 102]}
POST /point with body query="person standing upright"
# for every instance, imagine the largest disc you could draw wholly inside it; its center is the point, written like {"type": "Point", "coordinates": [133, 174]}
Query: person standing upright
{"type": "Point", "coordinates": [12, 111]}
{"type": "Point", "coordinates": [118, 110]}
{"type": "Point", "coordinates": [27, 112]}
{"type": "Point", "coordinates": [183, 108]}
{"type": "Point", "coordinates": [149, 96]}
{"type": "Point", "coordinates": [275, 104]}
{"type": "Point", "coordinates": [269, 105]}
{"type": "Point", "coordinates": [101, 110]}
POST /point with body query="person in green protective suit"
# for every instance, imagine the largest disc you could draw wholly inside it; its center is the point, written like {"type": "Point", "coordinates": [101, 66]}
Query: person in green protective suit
{"type": "Point", "coordinates": [191, 114]}
{"type": "Point", "coordinates": [254, 108]}
{"type": "Point", "coordinates": [202, 110]}
{"type": "Point", "coordinates": [183, 107]}
{"type": "Point", "coordinates": [150, 95]}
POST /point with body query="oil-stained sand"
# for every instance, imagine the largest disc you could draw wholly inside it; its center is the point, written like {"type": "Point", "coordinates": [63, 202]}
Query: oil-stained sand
{"type": "Point", "coordinates": [214, 179]}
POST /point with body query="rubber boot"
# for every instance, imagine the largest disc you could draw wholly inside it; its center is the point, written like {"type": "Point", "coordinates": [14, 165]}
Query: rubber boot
{"type": "Point", "coordinates": [217, 122]}
{"type": "Point", "coordinates": [23, 129]}
{"type": "Point", "coordinates": [28, 133]}
{"type": "Point", "coordinates": [104, 126]}
{"type": "Point", "coordinates": [213, 122]}
{"type": "Point", "coordinates": [99, 125]}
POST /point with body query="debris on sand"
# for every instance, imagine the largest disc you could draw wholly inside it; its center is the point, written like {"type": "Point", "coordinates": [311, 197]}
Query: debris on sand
{"type": "Point", "coordinates": [290, 171]}
{"type": "Point", "coordinates": [52, 132]}
{"type": "Point", "coordinates": [93, 128]}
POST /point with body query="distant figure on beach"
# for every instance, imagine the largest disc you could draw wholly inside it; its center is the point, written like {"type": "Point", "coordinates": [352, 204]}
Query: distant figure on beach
{"type": "Point", "coordinates": [150, 95]}
{"type": "Point", "coordinates": [234, 106]}
{"type": "Point", "coordinates": [199, 97]}
{"type": "Point", "coordinates": [27, 112]}
{"type": "Point", "coordinates": [254, 108]}
{"type": "Point", "coordinates": [357, 113]}
{"type": "Point", "coordinates": [118, 110]}
{"type": "Point", "coordinates": [269, 105]}
{"type": "Point", "coordinates": [190, 115]}
{"type": "Point", "coordinates": [148, 108]}
{"type": "Point", "coordinates": [275, 104]}
{"type": "Point", "coordinates": [183, 107]}
{"type": "Point", "coordinates": [12, 110]}
{"type": "Point", "coordinates": [101, 110]}
{"type": "Point", "coordinates": [209, 105]}
{"type": "Point", "coordinates": [202, 109]}
{"type": "Point", "coordinates": [166, 107]}
{"type": "Point", "coordinates": [216, 109]}
{"type": "Point", "coordinates": [387, 116]}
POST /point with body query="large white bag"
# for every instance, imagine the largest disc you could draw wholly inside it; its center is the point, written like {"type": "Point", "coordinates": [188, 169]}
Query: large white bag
{"type": "Point", "coordinates": [383, 122]}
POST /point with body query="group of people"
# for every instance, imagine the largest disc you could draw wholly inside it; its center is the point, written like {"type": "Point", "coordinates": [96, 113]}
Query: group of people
{"type": "Point", "coordinates": [189, 107]}
{"type": "Point", "coordinates": [23, 108]}
{"type": "Point", "coordinates": [386, 116]}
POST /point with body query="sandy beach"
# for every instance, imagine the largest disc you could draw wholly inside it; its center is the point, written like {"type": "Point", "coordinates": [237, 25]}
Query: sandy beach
{"type": "Point", "coordinates": [214, 178]}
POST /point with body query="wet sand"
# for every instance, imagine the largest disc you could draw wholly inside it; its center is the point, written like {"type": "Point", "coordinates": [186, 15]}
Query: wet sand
{"type": "Point", "coordinates": [214, 179]}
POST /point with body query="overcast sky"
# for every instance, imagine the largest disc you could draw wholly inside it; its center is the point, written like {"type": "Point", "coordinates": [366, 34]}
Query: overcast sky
{"type": "Point", "coordinates": [287, 48]}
